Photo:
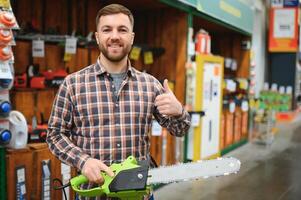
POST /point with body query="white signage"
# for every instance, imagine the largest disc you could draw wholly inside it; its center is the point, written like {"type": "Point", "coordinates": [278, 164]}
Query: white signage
{"type": "Point", "coordinates": [70, 46]}
{"type": "Point", "coordinates": [38, 48]}
{"type": "Point", "coordinates": [284, 23]}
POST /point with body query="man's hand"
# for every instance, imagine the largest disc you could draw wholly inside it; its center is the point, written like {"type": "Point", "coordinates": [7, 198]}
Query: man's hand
{"type": "Point", "coordinates": [92, 169]}
{"type": "Point", "coordinates": [167, 103]}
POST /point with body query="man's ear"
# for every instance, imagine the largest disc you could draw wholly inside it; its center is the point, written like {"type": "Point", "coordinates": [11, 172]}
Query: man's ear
{"type": "Point", "coordinates": [133, 37]}
{"type": "Point", "coordinates": [96, 37]}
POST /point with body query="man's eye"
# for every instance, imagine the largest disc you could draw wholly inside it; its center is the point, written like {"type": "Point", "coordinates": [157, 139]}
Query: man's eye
{"type": "Point", "coordinates": [124, 30]}
{"type": "Point", "coordinates": [106, 30]}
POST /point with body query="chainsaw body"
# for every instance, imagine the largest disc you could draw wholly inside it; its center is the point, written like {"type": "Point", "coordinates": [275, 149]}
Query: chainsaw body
{"type": "Point", "coordinates": [132, 180]}
{"type": "Point", "coordinates": [129, 182]}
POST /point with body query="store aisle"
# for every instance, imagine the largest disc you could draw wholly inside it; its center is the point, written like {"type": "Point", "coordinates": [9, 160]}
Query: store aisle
{"type": "Point", "coordinates": [267, 173]}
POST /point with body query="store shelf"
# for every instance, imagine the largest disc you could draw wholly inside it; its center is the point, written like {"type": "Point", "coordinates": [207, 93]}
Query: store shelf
{"type": "Point", "coordinates": [233, 146]}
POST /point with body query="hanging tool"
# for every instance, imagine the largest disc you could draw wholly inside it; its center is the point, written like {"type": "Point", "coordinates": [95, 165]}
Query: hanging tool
{"type": "Point", "coordinates": [133, 181]}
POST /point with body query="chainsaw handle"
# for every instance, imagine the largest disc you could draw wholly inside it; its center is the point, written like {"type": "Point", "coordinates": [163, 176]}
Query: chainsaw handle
{"type": "Point", "coordinates": [104, 190]}
{"type": "Point", "coordinates": [77, 181]}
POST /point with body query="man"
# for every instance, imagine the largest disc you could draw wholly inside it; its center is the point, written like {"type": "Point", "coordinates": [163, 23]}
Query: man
{"type": "Point", "coordinates": [103, 113]}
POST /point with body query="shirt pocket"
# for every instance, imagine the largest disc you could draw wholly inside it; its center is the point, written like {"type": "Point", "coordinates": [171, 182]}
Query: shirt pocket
{"type": "Point", "coordinates": [146, 106]}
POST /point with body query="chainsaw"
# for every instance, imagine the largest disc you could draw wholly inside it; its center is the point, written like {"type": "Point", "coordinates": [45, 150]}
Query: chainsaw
{"type": "Point", "coordinates": [133, 181]}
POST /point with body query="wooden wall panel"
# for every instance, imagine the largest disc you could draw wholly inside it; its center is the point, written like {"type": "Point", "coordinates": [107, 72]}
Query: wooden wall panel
{"type": "Point", "coordinates": [93, 56]}
{"type": "Point", "coordinates": [44, 103]}
{"type": "Point", "coordinates": [93, 7]}
{"type": "Point", "coordinates": [37, 13]}
{"type": "Point", "coordinates": [15, 159]}
{"type": "Point", "coordinates": [230, 46]}
{"type": "Point", "coordinates": [23, 101]}
{"type": "Point", "coordinates": [33, 102]}
{"type": "Point", "coordinates": [245, 62]}
{"type": "Point", "coordinates": [155, 29]}
{"type": "Point", "coordinates": [156, 149]}
{"type": "Point", "coordinates": [57, 23]}
{"type": "Point", "coordinates": [29, 13]}
{"type": "Point", "coordinates": [223, 45]}
{"type": "Point", "coordinates": [181, 37]}
{"type": "Point", "coordinates": [78, 16]}
{"type": "Point", "coordinates": [41, 153]}
{"type": "Point", "coordinates": [22, 53]}
{"type": "Point", "coordinates": [168, 60]}
{"type": "Point", "coordinates": [78, 61]}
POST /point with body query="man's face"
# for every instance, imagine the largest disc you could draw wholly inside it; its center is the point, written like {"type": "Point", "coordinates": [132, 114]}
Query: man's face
{"type": "Point", "coordinates": [114, 36]}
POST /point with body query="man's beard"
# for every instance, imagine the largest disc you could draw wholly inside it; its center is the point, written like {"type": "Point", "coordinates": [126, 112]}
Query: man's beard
{"type": "Point", "coordinates": [115, 58]}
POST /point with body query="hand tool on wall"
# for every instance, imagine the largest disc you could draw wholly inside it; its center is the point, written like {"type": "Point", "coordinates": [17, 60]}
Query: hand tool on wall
{"type": "Point", "coordinates": [21, 81]}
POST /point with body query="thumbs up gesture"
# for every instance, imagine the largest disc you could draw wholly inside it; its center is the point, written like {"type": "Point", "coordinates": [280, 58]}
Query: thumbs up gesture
{"type": "Point", "coordinates": [167, 103]}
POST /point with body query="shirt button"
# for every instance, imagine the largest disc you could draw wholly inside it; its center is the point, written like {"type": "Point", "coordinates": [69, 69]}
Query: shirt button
{"type": "Point", "coordinates": [118, 145]}
{"type": "Point", "coordinates": [116, 104]}
{"type": "Point", "coordinates": [113, 86]}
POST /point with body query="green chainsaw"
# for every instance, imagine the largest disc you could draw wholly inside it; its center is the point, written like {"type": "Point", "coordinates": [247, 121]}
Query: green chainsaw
{"type": "Point", "coordinates": [133, 181]}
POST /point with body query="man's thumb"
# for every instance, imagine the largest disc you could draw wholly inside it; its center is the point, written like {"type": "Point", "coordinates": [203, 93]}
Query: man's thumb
{"type": "Point", "coordinates": [166, 86]}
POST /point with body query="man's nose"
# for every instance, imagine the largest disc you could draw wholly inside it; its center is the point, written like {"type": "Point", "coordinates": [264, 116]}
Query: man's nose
{"type": "Point", "coordinates": [115, 34]}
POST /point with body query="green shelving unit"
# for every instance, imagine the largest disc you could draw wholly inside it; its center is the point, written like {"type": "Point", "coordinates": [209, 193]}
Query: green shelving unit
{"type": "Point", "coordinates": [233, 146]}
{"type": "Point", "coordinates": [2, 174]}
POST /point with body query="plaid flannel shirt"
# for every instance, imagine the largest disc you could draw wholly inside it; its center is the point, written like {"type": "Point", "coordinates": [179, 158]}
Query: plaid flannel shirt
{"type": "Point", "coordinates": [89, 120]}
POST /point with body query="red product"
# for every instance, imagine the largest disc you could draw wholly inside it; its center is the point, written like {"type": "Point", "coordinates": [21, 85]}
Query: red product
{"type": "Point", "coordinates": [37, 82]}
{"type": "Point", "coordinates": [38, 134]}
{"type": "Point", "coordinates": [203, 42]}
{"type": "Point", "coordinates": [20, 81]}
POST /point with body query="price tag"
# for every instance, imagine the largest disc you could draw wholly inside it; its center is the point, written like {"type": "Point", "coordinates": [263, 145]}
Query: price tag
{"type": "Point", "coordinates": [156, 128]}
{"type": "Point", "coordinates": [195, 120]}
{"type": "Point", "coordinates": [38, 48]}
{"type": "Point", "coordinates": [135, 53]}
{"type": "Point", "coordinates": [23, 189]}
{"type": "Point", "coordinates": [245, 106]}
{"type": "Point", "coordinates": [65, 169]}
{"type": "Point", "coordinates": [148, 57]}
{"type": "Point", "coordinates": [5, 4]}
{"type": "Point", "coordinates": [67, 57]}
{"type": "Point", "coordinates": [70, 46]}
{"type": "Point", "coordinates": [5, 71]}
{"type": "Point", "coordinates": [232, 107]}
{"type": "Point", "coordinates": [21, 175]}
{"type": "Point", "coordinates": [191, 49]}
{"type": "Point", "coordinates": [252, 103]}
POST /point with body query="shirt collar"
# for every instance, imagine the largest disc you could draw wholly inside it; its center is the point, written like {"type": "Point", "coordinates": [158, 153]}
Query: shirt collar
{"type": "Point", "coordinates": [100, 69]}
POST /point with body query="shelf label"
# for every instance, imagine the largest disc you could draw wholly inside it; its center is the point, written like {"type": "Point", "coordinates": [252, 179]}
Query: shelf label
{"type": "Point", "coordinates": [135, 53]}
{"type": "Point", "coordinates": [38, 48]}
{"type": "Point", "coordinates": [156, 129]}
{"type": "Point", "coordinates": [70, 46]}
{"type": "Point", "coordinates": [148, 57]}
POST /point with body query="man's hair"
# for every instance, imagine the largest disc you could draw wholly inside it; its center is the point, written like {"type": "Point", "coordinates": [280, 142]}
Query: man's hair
{"type": "Point", "coordinates": [114, 9]}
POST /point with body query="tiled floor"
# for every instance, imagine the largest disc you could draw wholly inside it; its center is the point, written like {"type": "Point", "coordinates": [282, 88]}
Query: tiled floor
{"type": "Point", "coordinates": [267, 173]}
